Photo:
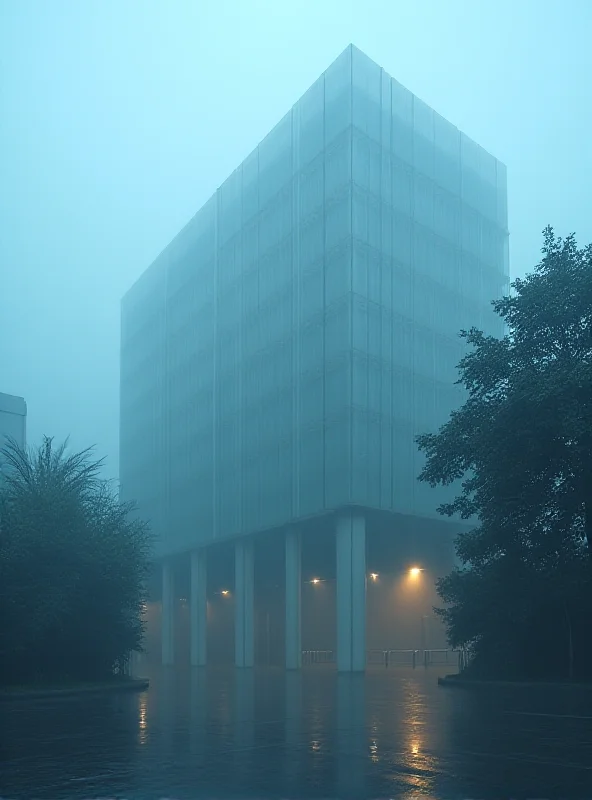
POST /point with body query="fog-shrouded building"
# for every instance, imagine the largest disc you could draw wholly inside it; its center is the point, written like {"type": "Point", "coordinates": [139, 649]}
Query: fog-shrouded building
{"type": "Point", "coordinates": [280, 356]}
{"type": "Point", "coordinates": [13, 420]}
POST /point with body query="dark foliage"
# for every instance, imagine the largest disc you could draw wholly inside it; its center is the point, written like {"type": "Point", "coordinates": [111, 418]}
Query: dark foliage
{"type": "Point", "coordinates": [73, 563]}
{"type": "Point", "coordinates": [521, 446]}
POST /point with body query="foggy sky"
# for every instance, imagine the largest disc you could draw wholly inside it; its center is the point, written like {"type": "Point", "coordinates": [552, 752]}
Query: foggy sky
{"type": "Point", "coordinates": [119, 118]}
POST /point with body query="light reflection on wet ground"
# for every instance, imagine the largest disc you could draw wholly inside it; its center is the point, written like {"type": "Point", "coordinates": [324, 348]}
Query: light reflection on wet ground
{"type": "Point", "coordinates": [311, 734]}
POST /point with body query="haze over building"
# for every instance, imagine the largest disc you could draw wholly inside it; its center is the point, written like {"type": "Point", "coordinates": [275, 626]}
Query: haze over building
{"type": "Point", "coordinates": [13, 419]}
{"type": "Point", "coordinates": [281, 355]}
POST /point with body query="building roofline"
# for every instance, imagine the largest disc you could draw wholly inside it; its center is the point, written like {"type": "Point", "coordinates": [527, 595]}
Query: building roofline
{"type": "Point", "coordinates": [13, 404]}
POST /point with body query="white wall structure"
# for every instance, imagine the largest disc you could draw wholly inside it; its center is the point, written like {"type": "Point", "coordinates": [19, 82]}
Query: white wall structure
{"type": "Point", "coordinates": [198, 600]}
{"type": "Point", "coordinates": [244, 633]}
{"type": "Point", "coordinates": [351, 593]}
{"type": "Point", "coordinates": [13, 419]}
{"type": "Point", "coordinates": [282, 354]}
{"type": "Point", "coordinates": [293, 600]}
{"type": "Point", "coordinates": [168, 614]}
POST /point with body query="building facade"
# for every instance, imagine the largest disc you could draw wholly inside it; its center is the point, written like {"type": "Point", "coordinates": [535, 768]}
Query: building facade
{"type": "Point", "coordinates": [283, 352]}
{"type": "Point", "coordinates": [13, 419]}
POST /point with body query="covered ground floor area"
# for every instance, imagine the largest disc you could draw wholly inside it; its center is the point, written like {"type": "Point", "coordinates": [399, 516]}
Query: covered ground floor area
{"type": "Point", "coordinates": [349, 589]}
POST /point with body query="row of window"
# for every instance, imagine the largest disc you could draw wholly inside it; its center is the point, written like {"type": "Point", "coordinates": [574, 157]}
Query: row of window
{"type": "Point", "coordinates": [263, 490]}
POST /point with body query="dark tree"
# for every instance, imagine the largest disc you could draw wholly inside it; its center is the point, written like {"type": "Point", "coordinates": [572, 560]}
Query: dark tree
{"type": "Point", "coordinates": [521, 448]}
{"type": "Point", "coordinates": [73, 563]}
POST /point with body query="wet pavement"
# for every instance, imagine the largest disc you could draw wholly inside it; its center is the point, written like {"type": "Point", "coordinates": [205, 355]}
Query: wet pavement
{"type": "Point", "coordinates": [233, 734]}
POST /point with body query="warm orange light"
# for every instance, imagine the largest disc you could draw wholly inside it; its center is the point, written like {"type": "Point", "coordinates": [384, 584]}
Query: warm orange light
{"type": "Point", "coordinates": [315, 580]}
{"type": "Point", "coordinates": [414, 572]}
{"type": "Point", "coordinates": [225, 592]}
{"type": "Point", "coordinates": [374, 576]}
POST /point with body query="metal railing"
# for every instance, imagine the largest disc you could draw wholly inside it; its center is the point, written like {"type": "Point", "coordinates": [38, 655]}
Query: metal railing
{"type": "Point", "coordinates": [393, 658]}
{"type": "Point", "coordinates": [386, 658]}
{"type": "Point", "coordinates": [439, 657]}
{"type": "Point", "coordinates": [401, 658]}
{"type": "Point", "coordinates": [318, 657]}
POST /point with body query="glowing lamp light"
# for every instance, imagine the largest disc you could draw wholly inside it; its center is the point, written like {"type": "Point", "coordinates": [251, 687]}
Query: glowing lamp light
{"type": "Point", "coordinates": [374, 576]}
{"type": "Point", "coordinates": [415, 572]}
{"type": "Point", "coordinates": [225, 592]}
{"type": "Point", "coordinates": [315, 581]}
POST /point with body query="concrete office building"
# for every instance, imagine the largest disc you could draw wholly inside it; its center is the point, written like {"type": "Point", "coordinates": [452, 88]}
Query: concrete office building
{"type": "Point", "coordinates": [13, 419]}
{"type": "Point", "coordinates": [282, 353]}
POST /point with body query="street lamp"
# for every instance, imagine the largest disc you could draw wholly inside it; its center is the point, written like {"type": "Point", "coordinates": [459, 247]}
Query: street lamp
{"type": "Point", "coordinates": [374, 576]}
{"type": "Point", "coordinates": [415, 572]}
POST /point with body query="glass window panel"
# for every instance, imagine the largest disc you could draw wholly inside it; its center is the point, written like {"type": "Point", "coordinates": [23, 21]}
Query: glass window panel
{"type": "Point", "coordinates": [502, 195]}
{"type": "Point", "coordinates": [360, 269]}
{"type": "Point", "coordinates": [471, 277]}
{"type": "Point", "coordinates": [311, 241]}
{"type": "Point", "coordinates": [337, 389]}
{"type": "Point", "coordinates": [275, 145]}
{"type": "Point", "coordinates": [250, 186]}
{"type": "Point", "coordinates": [311, 347]}
{"type": "Point", "coordinates": [366, 93]}
{"type": "Point", "coordinates": [423, 138]}
{"type": "Point", "coordinates": [471, 230]}
{"type": "Point", "coordinates": [337, 461]}
{"type": "Point", "coordinates": [386, 187]}
{"type": "Point", "coordinates": [423, 210]}
{"type": "Point", "coordinates": [360, 475]}
{"type": "Point", "coordinates": [311, 471]}
{"type": "Point", "coordinates": [229, 207]}
{"type": "Point", "coordinates": [360, 324]}
{"type": "Point", "coordinates": [402, 186]}
{"type": "Point", "coordinates": [401, 233]}
{"type": "Point", "coordinates": [311, 399]}
{"type": "Point", "coordinates": [360, 214]}
{"type": "Point", "coordinates": [402, 122]}
{"type": "Point", "coordinates": [403, 342]}
{"type": "Point", "coordinates": [374, 347]}
{"type": "Point", "coordinates": [386, 231]}
{"type": "Point", "coordinates": [338, 112]}
{"type": "Point", "coordinates": [386, 110]}
{"type": "Point", "coordinates": [311, 291]}
{"type": "Point", "coordinates": [311, 188]}
{"type": "Point", "coordinates": [337, 219]}
{"type": "Point", "coordinates": [446, 154]}
{"type": "Point", "coordinates": [338, 159]}
{"type": "Point", "coordinates": [374, 385]}
{"type": "Point", "coordinates": [386, 335]}
{"type": "Point", "coordinates": [360, 380]}
{"type": "Point", "coordinates": [374, 222]}
{"type": "Point", "coordinates": [309, 120]}
{"type": "Point", "coordinates": [338, 328]}
{"type": "Point", "coordinates": [361, 160]}
{"type": "Point", "coordinates": [338, 272]}
{"type": "Point", "coordinates": [374, 288]}
{"type": "Point", "coordinates": [402, 103]}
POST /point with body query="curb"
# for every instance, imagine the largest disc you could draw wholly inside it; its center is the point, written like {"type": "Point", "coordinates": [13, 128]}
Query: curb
{"type": "Point", "coordinates": [460, 683]}
{"type": "Point", "coordinates": [133, 685]}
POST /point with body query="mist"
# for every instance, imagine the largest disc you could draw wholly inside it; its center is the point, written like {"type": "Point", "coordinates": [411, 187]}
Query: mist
{"type": "Point", "coordinates": [118, 120]}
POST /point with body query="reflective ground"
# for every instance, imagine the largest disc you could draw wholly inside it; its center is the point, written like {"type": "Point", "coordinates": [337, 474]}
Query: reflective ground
{"type": "Point", "coordinates": [392, 733]}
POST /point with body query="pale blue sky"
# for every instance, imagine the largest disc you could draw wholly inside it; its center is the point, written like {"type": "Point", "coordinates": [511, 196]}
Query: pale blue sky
{"type": "Point", "coordinates": [118, 119]}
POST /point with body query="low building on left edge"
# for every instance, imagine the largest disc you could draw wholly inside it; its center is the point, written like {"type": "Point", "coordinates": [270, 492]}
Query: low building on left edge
{"type": "Point", "coordinates": [13, 419]}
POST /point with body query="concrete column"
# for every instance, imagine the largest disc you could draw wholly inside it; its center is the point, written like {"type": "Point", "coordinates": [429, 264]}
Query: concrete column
{"type": "Point", "coordinates": [198, 608]}
{"type": "Point", "coordinates": [351, 593]}
{"type": "Point", "coordinates": [244, 584]}
{"type": "Point", "coordinates": [168, 614]}
{"type": "Point", "coordinates": [293, 600]}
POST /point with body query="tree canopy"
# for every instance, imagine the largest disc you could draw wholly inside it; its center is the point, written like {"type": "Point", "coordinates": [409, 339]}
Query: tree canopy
{"type": "Point", "coordinates": [73, 564]}
{"type": "Point", "coordinates": [520, 449]}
